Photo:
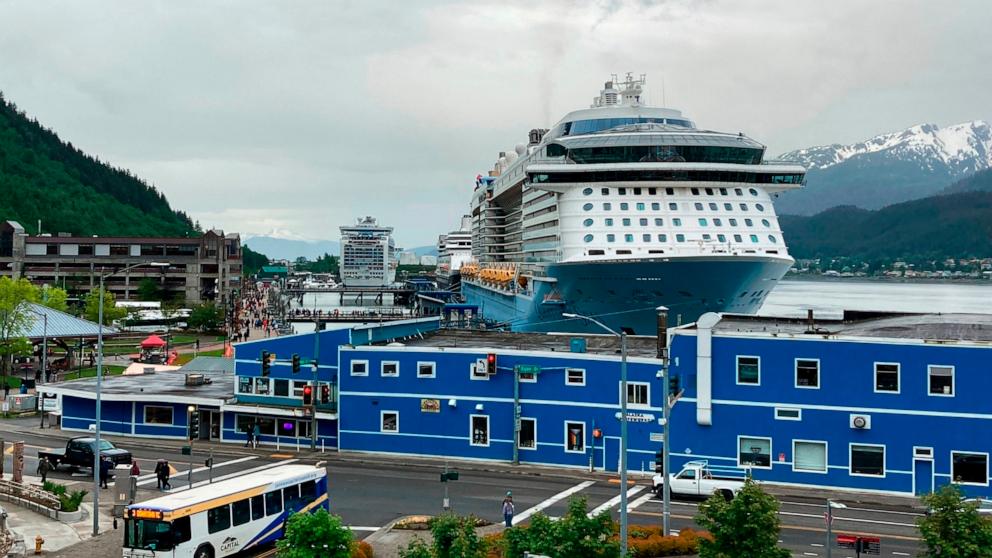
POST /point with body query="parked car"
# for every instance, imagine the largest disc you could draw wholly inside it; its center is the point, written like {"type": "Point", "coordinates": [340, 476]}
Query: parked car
{"type": "Point", "coordinates": [78, 453]}
{"type": "Point", "coordinates": [697, 478]}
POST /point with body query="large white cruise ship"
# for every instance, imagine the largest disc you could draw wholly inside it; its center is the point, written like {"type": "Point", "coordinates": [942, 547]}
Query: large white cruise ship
{"type": "Point", "coordinates": [453, 250]}
{"type": "Point", "coordinates": [368, 256]}
{"type": "Point", "coordinates": [621, 208]}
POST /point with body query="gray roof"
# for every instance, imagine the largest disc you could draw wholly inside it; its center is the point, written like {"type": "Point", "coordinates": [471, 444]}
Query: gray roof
{"type": "Point", "coordinates": [657, 134]}
{"type": "Point", "coordinates": [160, 386]}
{"type": "Point", "coordinates": [209, 364]}
{"type": "Point", "coordinates": [972, 328]}
{"type": "Point", "coordinates": [637, 345]}
{"type": "Point", "coordinates": [60, 324]}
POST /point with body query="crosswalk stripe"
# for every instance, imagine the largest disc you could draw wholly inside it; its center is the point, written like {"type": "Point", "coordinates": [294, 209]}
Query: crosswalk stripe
{"type": "Point", "coordinates": [551, 501]}
{"type": "Point", "coordinates": [145, 480]}
{"type": "Point", "coordinates": [615, 500]}
{"type": "Point", "coordinates": [637, 503]}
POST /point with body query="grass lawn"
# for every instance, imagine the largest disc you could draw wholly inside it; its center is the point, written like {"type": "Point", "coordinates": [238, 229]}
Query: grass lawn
{"type": "Point", "coordinates": [184, 358]}
{"type": "Point", "coordinates": [108, 370]}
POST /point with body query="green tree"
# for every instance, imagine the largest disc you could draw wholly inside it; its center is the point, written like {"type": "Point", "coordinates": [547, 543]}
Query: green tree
{"type": "Point", "coordinates": [453, 537]}
{"type": "Point", "coordinates": [953, 527]}
{"type": "Point", "coordinates": [149, 290]}
{"type": "Point", "coordinates": [14, 319]}
{"type": "Point", "coordinates": [745, 527]}
{"type": "Point", "coordinates": [52, 297]}
{"type": "Point", "coordinates": [252, 261]}
{"type": "Point", "coordinates": [316, 535]}
{"type": "Point", "coordinates": [205, 317]}
{"type": "Point", "coordinates": [91, 307]}
{"type": "Point", "coordinates": [574, 535]}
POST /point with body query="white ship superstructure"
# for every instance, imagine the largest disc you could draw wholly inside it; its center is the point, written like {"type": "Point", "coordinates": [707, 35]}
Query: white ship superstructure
{"type": "Point", "coordinates": [453, 250]}
{"type": "Point", "coordinates": [368, 256]}
{"type": "Point", "coordinates": [621, 208]}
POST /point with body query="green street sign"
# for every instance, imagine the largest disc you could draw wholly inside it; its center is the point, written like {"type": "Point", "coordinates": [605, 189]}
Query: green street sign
{"type": "Point", "coordinates": [527, 369]}
{"type": "Point", "coordinates": [449, 476]}
{"type": "Point", "coordinates": [187, 450]}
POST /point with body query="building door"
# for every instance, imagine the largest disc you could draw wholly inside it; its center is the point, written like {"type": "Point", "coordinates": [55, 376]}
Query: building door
{"type": "Point", "coordinates": [215, 425]}
{"type": "Point", "coordinates": [205, 425]}
{"type": "Point", "coordinates": [923, 476]}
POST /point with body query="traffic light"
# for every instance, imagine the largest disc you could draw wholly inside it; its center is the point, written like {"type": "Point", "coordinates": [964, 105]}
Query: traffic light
{"type": "Point", "coordinates": [325, 394]}
{"type": "Point", "coordinates": [194, 425]}
{"type": "Point", "coordinates": [491, 364]}
{"type": "Point", "coordinates": [308, 394]}
{"type": "Point", "coordinates": [449, 476]}
{"type": "Point", "coordinates": [266, 365]}
{"type": "Point", "coordinates": [674, 385]}
{"type": "Point", "coordinates": [296, 364]}
{"type": "Point", "coordinates": [659, 461]}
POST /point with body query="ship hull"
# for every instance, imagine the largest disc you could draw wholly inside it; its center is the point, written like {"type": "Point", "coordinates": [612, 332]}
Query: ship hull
{"type": "Point", "coordinates": [626, 294]}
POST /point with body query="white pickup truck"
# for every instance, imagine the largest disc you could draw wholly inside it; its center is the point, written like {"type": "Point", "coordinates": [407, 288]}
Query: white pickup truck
{"type": "Point", "coordinates": [697, 479]}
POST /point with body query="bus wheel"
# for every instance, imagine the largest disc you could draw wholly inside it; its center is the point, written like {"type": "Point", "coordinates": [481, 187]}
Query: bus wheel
{"type": "Point", "coordinates": [204, 552]}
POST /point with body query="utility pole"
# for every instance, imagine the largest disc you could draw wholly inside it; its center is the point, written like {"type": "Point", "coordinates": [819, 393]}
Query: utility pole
{"type": "Point", "coordinates": [516, 416]}
{"type": "Point", "coordinates": [314, 367]}
{"type": "Point", "coordinates": [666, 496]}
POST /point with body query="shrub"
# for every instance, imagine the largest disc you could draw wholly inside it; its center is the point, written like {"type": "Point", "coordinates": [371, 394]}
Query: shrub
{"type": "Point", "coordinates": [54, 487]}
{"type": "Point", "coordinates": [70, 502]}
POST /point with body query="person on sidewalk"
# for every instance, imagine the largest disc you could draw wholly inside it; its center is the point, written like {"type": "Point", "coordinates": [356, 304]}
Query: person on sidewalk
{"type": "Point", "coordinates": [508, 509]}
{"type": "Point", "coordinates": [135, 470]}
{"type": "Point", "coordinates": [44, 467]}
{"type": "Point", "coordinates": [255, 433]}
{"type": "Point", "coordinates": [161, 471]}
{"type": "Point", "coordinates": [104, 472]}
{"type": "Point", "coordinates": [249, 436]}
{"type": "Point", "coordinates": [6, 389]}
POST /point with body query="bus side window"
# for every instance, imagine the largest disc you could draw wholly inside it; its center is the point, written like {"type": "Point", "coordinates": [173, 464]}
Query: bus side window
{"type": "Point", "coordinates": [241, 510]}
{"type": "Point", "coordinates": [257, 507]}
{"type": "Point", "coordinates": [291, 497]}
{"type": "Point", "coordinates": [273, 502]}
{"type": "Point", "coordinates": [180, 530]}
{"type": "Point", "coordinates": [308, 491]}
{"type": "Point", "coordinates": [218, 519]}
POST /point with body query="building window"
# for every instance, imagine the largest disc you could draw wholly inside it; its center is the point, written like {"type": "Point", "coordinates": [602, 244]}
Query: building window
{"type": "Point", "coordinates": [941, 380]}
{"type": "Point", "coordinates": [611, 238]}
{"type": "Point", "coordinates": [712, 206]}
{"type": "Point", "coordinates": [733, 222]}
{"type": "Point", "coordinates": [622, 191]}
{"type": "Point", "coordinates": [158, 415]}
{"type": "Point", "coordinates": [261, 386]}
{"type": "Point", "coordinates": [638, 394]}
{"type": "Point", "coordinates": [680, 237]}
{"type": "Point", "coordinates": [886, 377]}
{"type": "Point", "coordinates": [698, 206]}
{"type": "Point", "coordinates": [658, 221]}
{"type": "Point", "coordinates": [970, 468]}
{"type": "Point", "coordinates": [587, 191]}
{"type": "Point", "coordinates": [609, 221]}
{"type": "Point", "coordinates": [759, 207]}
{"type": "Point", "coordinates": [624, 206]}
{"type": "Point", "coordinates": [628, 238]}
{"type": "Point", "coordinates": [359, 368]}
{"type": "Point", "coordinates": [753, 192]}
{"type": "Point", "coordinates": [643, 221]}
{"type": "Point", "coordinates": [707, 237]}
{"type": "Point", "coordinates": [604, 191]}
{"type": "Point", "coordinates": [721, 237]}
{"type": "Point", "coordinates": [218, 519]}
{"type": "Point", "coordinates": [480, 430]}
{"type": "Point", "coordinates": [298, 388]}
{"type": "Point", "coordinates": [765, 223]}
{"type": "Point", "coordinates": [738, 191]}
{"type": "Point", "coordinates": [640, 206]}
{"type": "Point", "coordinates": [788, 413]}
{"type": "Point", "coordinates": [754, 238]}
{"type": "Point", "coordinates": [867, 460]}
{"type": "Point", "coordinates": [528, 433]}
{"type": "Point", "coordinates": [737, 238]}
{"type": "Point", "coordinates": [425, 370]}
{"type": "Point", "coordinates": [677, 222]}
{"type": "Point", "coordinates": [717, 222]}
{"type": "Point", "coordinates": [587, 207]}
{"type": "Point", "coordinates": [702, 222]}
{"type": "Point", "coordinates": [575, 437]}
{"type": "Point", "coordinates": [626, 221]}
{"type": "Point", "coordinates": [389, 421]}
{"type": "Point", "coordinates": [607, 206]}
{"type": "Point", "coordinates": [807, 373]}
{"type": "Point", "coordinates": [575, 377]}
{"type": "Point", "coordinates": [646, 237]}
{"type": "Point", "coordinates": [754, 452]}
{"type": "Point", "coordinates": [390, 368]}
{"type": "Point", "coordinates": [587, 223]}
{"type": "Point", "coordinates": [728, 206]}
{"type": "Point", "coordinates": [772, 239]}
{"type": "Point", "coordinates": [662, 238]}
{"type": "Point", "coordinates": [527, 377]}
{"type": "Point", "coordinates": [808, 456]}
{"type": "Point", "coordinates": [655, 206]}
{"type": "Point", "coordinates": [673, 206]}
{"type": "Point", "coordinates": [749, 370]}
{"type": "Point", "coordinates": [587, 238]}
{"type": "Point", "coordinates": [245, 384]}
{"type": "Point", "coordinates": [280, 388]}
{"type": "Point", "coordinates": [743, 206]}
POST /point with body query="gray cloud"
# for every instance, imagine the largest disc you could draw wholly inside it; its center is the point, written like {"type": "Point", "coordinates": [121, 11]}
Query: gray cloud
{"type": "Point", "coordinates": [299, 116]}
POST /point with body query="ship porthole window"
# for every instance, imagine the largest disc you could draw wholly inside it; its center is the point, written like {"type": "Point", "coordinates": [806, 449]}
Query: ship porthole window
{"type": "Point", "coordinates": [587, 223]}
{"type": "Point", "coordinates": [587, 207]}
{"type": "Point", "coordinates": [759, 207]}
{"type": "Point", "coordinates": [588, 238]}
{"type": "Point", "coordinates": [766, 223]}
{"type": "Point", "coordinates": [753, 191]}
{"type": "Point", "coordinates": [587, 192]}
{"type": "Point", "coordinates": [772, 239]}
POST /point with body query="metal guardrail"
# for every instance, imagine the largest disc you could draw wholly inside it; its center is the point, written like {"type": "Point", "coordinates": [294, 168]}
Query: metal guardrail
{"type": "Point", "coordinates": [41, 498]}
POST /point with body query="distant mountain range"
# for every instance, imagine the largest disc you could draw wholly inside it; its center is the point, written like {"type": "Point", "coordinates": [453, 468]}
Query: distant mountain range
{"type": "Point", "coordinates": [891, 168]}
{"type": "Point", "coordinates": [283, 248]}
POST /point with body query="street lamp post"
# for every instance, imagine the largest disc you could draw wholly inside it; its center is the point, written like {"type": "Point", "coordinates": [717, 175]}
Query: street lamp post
{"type": "Point", "coordinates": [99, 388]}
{"type": "Point", "coordinates": [44, 345]}
{"type": "Point", "coordinates": [623, 426]}
{"type": "Point", "coordinates": [831, 506]}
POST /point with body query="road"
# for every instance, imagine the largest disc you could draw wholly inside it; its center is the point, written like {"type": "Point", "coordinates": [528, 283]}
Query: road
{"type": "Point", "coordinates": [370, 495]}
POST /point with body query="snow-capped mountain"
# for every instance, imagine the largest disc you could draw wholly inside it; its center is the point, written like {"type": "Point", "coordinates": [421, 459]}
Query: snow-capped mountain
{"type": "Point", "coordinates": [890, 168]}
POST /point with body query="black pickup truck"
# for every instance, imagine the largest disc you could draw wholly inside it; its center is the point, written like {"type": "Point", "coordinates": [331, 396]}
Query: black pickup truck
{"type": "Point", "coordinates": [78, 453]}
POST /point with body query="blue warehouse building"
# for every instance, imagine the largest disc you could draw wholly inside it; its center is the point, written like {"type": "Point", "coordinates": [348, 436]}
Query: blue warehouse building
{"type": "Point", "coordinates": [886, 403]}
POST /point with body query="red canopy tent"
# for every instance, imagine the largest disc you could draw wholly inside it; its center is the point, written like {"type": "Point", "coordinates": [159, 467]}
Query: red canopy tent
{"type": "Point", "coordinates": [152, 342]}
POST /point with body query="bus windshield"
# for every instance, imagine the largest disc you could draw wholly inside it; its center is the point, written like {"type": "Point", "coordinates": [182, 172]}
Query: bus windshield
{"type": "Point", "coordinates": [147, 534]}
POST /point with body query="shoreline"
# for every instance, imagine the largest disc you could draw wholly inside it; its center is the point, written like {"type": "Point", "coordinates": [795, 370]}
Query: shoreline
{"type": "Point", "coordinates": [902, 280]}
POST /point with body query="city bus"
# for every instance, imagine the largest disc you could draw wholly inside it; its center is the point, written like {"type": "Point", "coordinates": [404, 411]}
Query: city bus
{"type": "Point", "coordinates": [225, 517]}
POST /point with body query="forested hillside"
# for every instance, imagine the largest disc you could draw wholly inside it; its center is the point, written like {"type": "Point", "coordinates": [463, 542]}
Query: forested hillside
{"type": "Point", "coordinates": [938, 227]}
{"type": "Point", "coordinates": [44, 177]}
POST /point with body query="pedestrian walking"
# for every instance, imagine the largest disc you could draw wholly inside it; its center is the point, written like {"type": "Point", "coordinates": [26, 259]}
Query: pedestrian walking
{"type": "Point", "coordinates": [104, 472]}
{"type": "Point", "coordinates": [256, 431]}
{"type": "Point", "coordinates": [135, 470]}
{"type": "Point", "coordinates": [508, 509]}
{"type": "Point", "coordinates": [249, 436]}
{"type": "Point", "coordinates": [160, 474]}
{"type": "Point", "coordinates": [44, 466]}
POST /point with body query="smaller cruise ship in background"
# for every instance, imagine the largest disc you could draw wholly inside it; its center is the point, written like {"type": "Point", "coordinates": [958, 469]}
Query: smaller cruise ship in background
{"type": "Point", "coordinates": [453, 250]}
{"type": "Point", "coordinates": [368, 254]}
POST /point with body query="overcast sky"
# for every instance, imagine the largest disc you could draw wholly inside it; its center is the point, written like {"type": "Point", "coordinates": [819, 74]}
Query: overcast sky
{"type": "Point", "coordinates": [299, 116]}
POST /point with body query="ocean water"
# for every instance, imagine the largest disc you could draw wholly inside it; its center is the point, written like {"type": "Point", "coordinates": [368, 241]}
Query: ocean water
{"type": "Point", "coordinates": [830, 297]}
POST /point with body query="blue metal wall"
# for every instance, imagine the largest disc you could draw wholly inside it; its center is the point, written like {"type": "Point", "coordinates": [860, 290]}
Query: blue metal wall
{"type": "Point", "coordinates": [447, 432]}
{"type": "Point", "coordinates": [900, 422]}
{"type": "Point", "coordinates": [116, 418]}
